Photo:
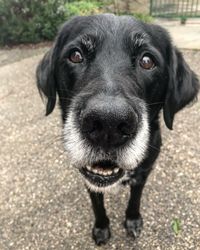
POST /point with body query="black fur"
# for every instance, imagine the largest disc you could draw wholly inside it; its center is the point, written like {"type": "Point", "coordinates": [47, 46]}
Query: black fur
{"type": "Point", "coordinates": [112, 47]}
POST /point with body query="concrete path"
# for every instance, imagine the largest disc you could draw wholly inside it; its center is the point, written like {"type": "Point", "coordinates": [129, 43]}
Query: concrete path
{"type": "Point", "coordinates": [184, 36]}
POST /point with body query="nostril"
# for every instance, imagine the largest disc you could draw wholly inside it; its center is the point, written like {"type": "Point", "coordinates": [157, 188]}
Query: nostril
{"type": "Point", "coordinates": [124, 128]}
{"type": "Point", "coordinates": [90, 124]}
{"type": "Point", "coordinates": [97, 126]}
{"type": "Point", "coordinates": [129, 126]}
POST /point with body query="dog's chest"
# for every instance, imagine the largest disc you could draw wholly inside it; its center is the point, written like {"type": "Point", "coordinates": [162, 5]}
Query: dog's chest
{"type": "Point", "coordinates": [130, 178]}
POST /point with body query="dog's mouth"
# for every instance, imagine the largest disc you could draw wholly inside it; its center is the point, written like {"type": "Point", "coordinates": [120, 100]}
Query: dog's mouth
{"type": "Point", "coordinates": [103, 173]}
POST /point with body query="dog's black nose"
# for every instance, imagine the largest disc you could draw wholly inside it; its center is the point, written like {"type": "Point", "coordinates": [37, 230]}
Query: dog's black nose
{"type": "Point", "coordinates": [109, 124]}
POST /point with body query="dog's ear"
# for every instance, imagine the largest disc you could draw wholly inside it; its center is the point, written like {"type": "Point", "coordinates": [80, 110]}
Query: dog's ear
{"type": "Point", "coordinates": [46, 80]}
{"type": "Point", "coordinates": [46, 70]}
{"type": "Point", "coordinates": [183, 87]}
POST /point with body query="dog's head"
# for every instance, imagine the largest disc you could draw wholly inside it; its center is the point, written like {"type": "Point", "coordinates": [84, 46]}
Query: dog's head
{"type": "Point", "coordinates": [112, 76]}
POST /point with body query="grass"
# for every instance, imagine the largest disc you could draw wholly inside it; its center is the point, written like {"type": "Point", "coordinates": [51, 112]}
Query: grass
{"type": "Point", "coordinates": [86, 7]}
{"type": "Point", "coordinates": [83, 8]}
{"type": "Point", "coordinates": [176, 226]}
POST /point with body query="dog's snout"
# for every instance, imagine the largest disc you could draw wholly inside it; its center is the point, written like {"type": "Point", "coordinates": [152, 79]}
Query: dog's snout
{"type": "Point", "coordinates": [109, 124]}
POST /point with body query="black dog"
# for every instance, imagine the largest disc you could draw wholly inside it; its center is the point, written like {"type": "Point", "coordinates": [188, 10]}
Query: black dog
{"type": "Point", "coordinates": [113, 75]}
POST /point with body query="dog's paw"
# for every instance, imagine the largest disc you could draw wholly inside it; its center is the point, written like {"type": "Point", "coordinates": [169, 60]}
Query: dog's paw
{"type": "Point", "coordinates": [134, 227]}
{"type": "Point", "coordinates": [101, 236]}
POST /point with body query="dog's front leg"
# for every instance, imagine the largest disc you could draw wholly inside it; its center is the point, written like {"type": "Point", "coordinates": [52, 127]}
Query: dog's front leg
{"type": "Point", "coordinates": [101, 231]}
{"type": "Point", "coordinates": [133, 222]}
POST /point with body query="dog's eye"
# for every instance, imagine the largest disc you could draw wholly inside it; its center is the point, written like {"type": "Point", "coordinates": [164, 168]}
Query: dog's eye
{"type": "Point", "coordinates": [147, 62]}
{"type": "Point", "coordinates": [76, 57]}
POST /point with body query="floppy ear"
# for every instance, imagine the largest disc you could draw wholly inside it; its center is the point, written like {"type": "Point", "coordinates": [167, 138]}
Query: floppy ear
{"type": "Point", "coordinates": [183, 87]}
{"type": "Point", "coordinates": [46, 80]}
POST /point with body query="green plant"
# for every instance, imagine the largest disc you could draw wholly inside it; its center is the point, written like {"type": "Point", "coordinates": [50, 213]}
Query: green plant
{"type": "Point", "coordinates": [83, 7]}
{"type": "Point", "coordinates": [183, 19]}
{"type": "Point", "coordinates": [140, 16]}
{"type": "Point", "coordinates": [176, 226]}
{"type": "Point", "coordinates": [143, 17]}
{"type": "Point", "coordinates": [30, 21]}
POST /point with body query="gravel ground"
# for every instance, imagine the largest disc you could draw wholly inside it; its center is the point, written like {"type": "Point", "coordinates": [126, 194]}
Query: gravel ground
{"type": "Point", "coordinates": [43, 202]}
{"type": "Point", "coordinates": [17, 53]}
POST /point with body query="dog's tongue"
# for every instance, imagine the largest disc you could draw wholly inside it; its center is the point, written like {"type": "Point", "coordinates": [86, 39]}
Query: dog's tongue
{"type": "Point", "coordinates": [104, 166]}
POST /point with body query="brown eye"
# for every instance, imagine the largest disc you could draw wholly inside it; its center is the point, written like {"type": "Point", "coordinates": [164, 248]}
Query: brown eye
{"type": "Point", "coordinates": [147, 63]}
{"type": "Point", "coordinates": [76, 57]}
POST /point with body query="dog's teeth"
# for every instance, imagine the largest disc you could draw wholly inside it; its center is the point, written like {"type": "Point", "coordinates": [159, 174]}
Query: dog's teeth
{"type": "Point", "coordinates": [116, 170]}
{"type": "Point", "coordinates": [95, 171]}
{"type": "Point", "coordinates": [109, 172]}
{"type": "Point", "coordinates": [89, 168]}
{"type": "Point", "coordinates": [105, 172]}
{"type": "Point", "coordinates": [100, 172]}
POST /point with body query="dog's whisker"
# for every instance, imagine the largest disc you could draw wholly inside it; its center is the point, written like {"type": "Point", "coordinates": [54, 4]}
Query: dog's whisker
{"type": "Point", "coordinates": [154, 103]}
{"type": "Point", "coordinates": [154, 147]}
{"type": "Point", "coordinates": [54, 141]}
{"type": "Point", "coordinates": [63, 98]}
{"type": "Point", "coordinates": [47, 145]}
